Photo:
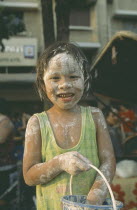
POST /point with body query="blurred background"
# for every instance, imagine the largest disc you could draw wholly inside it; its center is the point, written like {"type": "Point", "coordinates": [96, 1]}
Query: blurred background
{"type": "Point", "coordinates": [27, 27]}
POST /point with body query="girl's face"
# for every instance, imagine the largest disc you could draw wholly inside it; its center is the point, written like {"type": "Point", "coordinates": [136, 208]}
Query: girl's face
{"type": "Point", "coordinates": [64, 81]}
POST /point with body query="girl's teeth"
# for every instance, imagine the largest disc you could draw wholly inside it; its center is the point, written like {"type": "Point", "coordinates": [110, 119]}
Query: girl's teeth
{"type": "Point", "coordinates": [64, 96]}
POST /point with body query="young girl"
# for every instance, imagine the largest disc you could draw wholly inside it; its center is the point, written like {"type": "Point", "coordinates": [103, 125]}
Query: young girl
{"type": "Point", "coordinates": [64, 140]}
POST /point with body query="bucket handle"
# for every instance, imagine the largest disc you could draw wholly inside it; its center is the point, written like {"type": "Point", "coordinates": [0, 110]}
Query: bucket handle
{"type": "Point", "coordinates": [105, 180]}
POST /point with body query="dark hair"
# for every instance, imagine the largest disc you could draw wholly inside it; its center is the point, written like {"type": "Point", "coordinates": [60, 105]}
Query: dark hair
{"type": "Point", "coordinates": [53, 50]}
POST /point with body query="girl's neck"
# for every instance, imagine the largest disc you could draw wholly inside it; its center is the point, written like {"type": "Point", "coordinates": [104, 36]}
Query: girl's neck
{"type": "Point", "coordinates": [64, 112]}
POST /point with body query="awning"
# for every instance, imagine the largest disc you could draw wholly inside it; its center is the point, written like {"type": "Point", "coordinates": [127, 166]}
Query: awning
{"type": "Point", "coordinates": [89, 45]}
{"type": "Point", "coordinates": [114, 72]}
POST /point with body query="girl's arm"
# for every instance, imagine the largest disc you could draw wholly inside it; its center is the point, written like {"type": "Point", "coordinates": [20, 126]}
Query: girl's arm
{"type": "Point", "coordinates": [99, 189]}
{"type": "Point", "coordinates": [35, 172]}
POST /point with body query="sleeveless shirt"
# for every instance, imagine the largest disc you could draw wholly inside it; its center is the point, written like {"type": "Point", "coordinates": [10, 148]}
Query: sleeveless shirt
{"type": "Point", "coordinates": [49, 195]}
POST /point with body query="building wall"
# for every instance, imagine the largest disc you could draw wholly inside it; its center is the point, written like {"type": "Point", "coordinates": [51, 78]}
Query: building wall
{"type": "Point", "coordinates": [13, 87]}
{"type": "Point", "coordinates": [33, 22]}
{"type": "Point", "coordinates": [101, 11]}
{"type": "Point", "coordinates": [126, 4]}
{"type": "Point", "coordinates": [34, 1]}
{"type": "Point", "coordinates": [122, 15]}
{"type": "Point", "coordinates": [86, 34]}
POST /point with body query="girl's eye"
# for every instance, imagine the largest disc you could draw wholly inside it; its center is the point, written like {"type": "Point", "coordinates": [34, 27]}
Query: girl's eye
{"type": "Point", "coordinates": [74, 77]}
{"type": "Point", "coordinates": [55, 78]}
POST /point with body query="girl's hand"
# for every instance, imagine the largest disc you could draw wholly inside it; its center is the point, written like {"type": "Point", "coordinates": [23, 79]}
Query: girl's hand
{"type": "Point", "coordinates": [94, 200]}
{"type": "Point", "coordinates": [73, 162]}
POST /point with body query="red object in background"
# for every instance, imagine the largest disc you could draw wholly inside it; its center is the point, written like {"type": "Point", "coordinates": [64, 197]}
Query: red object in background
{"type": "Point", "coordinates": [128, 117]}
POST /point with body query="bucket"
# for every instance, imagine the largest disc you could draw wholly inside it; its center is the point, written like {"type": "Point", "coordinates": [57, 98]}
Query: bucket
{"type": "Point", "coordinates": [78, 202]}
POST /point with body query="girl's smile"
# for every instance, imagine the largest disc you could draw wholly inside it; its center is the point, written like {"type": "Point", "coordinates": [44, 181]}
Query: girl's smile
{"type": "Point", "coordinates": [64, 81]}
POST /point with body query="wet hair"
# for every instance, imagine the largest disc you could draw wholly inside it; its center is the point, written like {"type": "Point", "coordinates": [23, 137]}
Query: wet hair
{"type": "Point", "coordinates": [53, 50]}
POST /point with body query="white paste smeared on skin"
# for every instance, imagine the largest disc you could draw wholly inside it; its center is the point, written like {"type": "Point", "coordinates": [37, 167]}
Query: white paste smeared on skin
{"type": "Point", "coordinates": [99, 117]}
{"type": "Point", "coordinates": [102, 121]}
{"type": "Point", "coordinates": [105, 169]}
{"type": "Point", "coordinates": [73, 162]}
{"type": "Point", "coordinates": [66, 128]}
{"type": "Point", "coordinates": [32, 127]}
{"type": "Point", "coordinates": [95, 110]}
{"type": "Point", "coordinates": [99, 193]}
{"type": "Point", "coordinates": [38, 166]}
{"type": "Point", "coordinates": [43, 178]}
{"type": "Point", "coordinates": [65, 84]}
{"type": "Point", "coordinates": [67, 62]}
{"type": "Point", "coordinates": [31, 133]}
{"type": "Point", "coordinates": [72, 139]}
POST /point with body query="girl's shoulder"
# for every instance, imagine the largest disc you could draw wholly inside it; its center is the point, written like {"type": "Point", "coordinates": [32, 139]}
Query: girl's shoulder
{"type": "Point", "coordinates": [35, 117]}
{"type": "Point", "coordinates": [97, 115]}
{"type": "Point", "coordinates": [95, 110]}
{"type": "Point", "coordinates": [33, 120]}
{"type": "Point", "coordinates": [38, 119]}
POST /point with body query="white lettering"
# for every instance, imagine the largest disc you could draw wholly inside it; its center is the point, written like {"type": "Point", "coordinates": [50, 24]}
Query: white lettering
{"type": "Point", "coordinates": [16, 49]}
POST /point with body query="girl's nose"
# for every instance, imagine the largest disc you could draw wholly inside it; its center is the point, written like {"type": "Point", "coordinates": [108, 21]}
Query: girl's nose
{"type": "Point", "coordinates": [65, 85]}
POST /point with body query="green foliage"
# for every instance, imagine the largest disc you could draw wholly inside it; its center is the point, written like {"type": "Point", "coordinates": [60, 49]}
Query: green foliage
{"type": "Point", "coordinates": [10, 25]}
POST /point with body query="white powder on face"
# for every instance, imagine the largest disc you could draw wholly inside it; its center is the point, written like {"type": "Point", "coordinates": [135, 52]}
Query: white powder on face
{"type": "Point", "coordinates": [67, 63]}
{"type": "Point", "coordinates": [65, 84]}
{"type": "Point", "coordinates": [63, 67]}
{"type": "Point", "coordinates": [64, 64]}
